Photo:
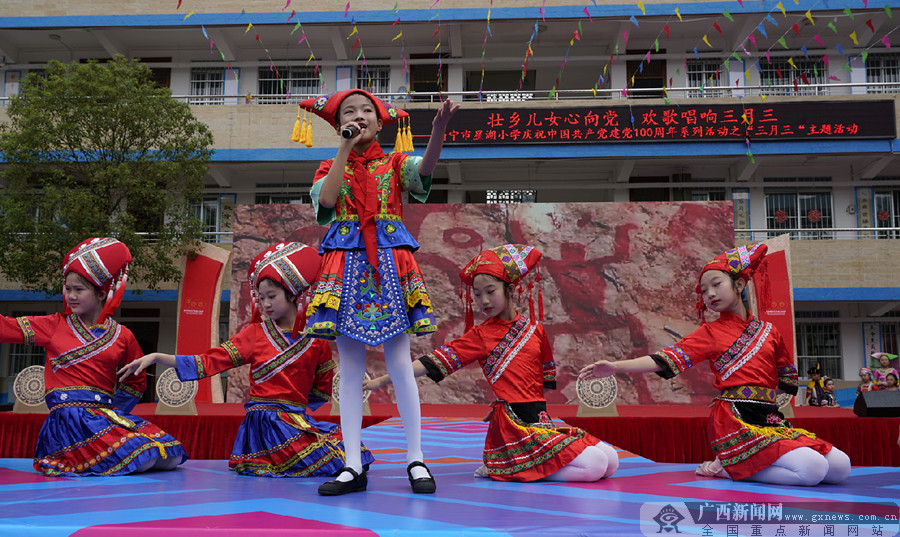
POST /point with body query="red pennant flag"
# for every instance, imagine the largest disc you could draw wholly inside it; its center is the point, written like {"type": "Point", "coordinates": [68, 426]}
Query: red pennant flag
{"type": "Point", "coordinates": [796, 86]}
{"type": "Point", "coordinates": [355, 44]}
{"type": "Point", "coordinates": [396, 22]}
{"type": "Point", "coordinates": [804, 79]}
{"type": "Point", "coordinates": [293, 12]}
{"type": "Point", "coordinates": [666, 28]}
{"type": "Point", "coordinates": [586, 12]}
{"type": "Point", "coordinates": [870, 25]}
{"type": "Point", "coordinates": [796, 29]}
{"type": "Point", "coordinates": [179, 4]}
{"type": "Point", "coordinates": [778, 72]}
{"type": "Point", "coordinates": [257, 37]}
{"type": "Point", "coordinates": [577, 37]}
{"type": "Point", "coordinates": [436, 32]}
{"type": "Point", "coordinates": [741, 2]}
{"type": "Point", "coordinates": [716, 26]}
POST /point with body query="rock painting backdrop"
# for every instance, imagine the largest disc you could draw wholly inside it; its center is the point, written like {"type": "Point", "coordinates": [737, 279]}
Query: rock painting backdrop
{"type": "Point", "coordinates": [616, 276]}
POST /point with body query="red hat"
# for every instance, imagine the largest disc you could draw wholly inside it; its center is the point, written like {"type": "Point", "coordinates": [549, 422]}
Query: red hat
{"type": "Point", "coordinates": [510, 263]}
{"type": "Point", "coordinates": [327, 106]}
{"type": "Point", "coordinates": [105, 263]}
{"type": "Point", "coordinates": [742, 262]}
{"type": "Point", "coordinates": [293, 265]}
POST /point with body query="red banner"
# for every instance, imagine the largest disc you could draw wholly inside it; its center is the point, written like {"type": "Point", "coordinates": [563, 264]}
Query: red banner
{"type": "Point", "coordinates": [198, 311]}
{"type": "Point", "coordinates": [779, 310]}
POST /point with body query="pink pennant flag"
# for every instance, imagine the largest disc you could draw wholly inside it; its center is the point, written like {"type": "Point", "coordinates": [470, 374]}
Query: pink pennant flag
{"type": "Point", "coordinates": [286, 5]}
{"type": "Point", "coordinates": [210, 44]}
{"type": "Point", "coordinates": [647, 59]}
{"type": "Point", "coordinates": [768, 58]}
{"type": "Point", "coordinates": [887, 41]}
{"type": "Point", "coordinates": [302, 39]}
{"type": "Point", "coordinates": [347, 10]}
{"type": "Point", "coordinates": [819, 40]}
{"type": "Point", "coordinates": [625, 33]}
{"type": "Point", "coordinates": [586, 12]}
{"type": "Point", "coordinates": [741, 2]}
{"type": "Point", "coordinates": [745, 49]}
{"type": "Point", "coordinates": [825, 60]}
{"type": "Point", "coordinates": [576, 36]}
{"type": "Point", "coordinates": [836, 79]}
{"type": "Point", "coordinates": [865, 4]}
{"type": "Point", "coordinates": [752, 38]}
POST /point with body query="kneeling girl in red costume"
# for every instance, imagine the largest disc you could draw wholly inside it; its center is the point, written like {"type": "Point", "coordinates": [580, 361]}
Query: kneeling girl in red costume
{"type": "Point", "coordinates": [522, 444]}
{"type": "Point", "coordinates": [749, 436]}
{"type": "Point", "coordinates": [89, 430]}
{"type": "Point", "coordinates": [289, 374]}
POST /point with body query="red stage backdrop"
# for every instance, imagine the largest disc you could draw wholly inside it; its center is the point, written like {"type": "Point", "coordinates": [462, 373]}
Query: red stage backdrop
{"type": "Point", "coordinates": [616, 276]}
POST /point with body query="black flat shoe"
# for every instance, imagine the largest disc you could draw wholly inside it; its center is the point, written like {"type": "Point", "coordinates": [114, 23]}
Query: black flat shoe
{"type": "Point", "coordinates": [422, 485]}
{"type": "Point", "coordinates": [337, 488]}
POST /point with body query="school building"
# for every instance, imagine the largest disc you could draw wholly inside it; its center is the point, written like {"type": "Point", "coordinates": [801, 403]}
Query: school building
{"type": "Point", "coordinates": [787, 109]}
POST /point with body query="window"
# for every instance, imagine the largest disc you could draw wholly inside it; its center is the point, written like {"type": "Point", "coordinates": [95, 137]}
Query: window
{"type": "Point", "coordinates": [283, 84]}
{"type": "Point", "coordinates": [887, 213]}
{"type": "Point", "coordinates": [809, 77]}
{"type": "Point", "coordinates": [427, 77]}
{"type": "Point", "coordinates": [217, 216]}
{"type": "Point", "coordinates": [506, 81]}
{"type": "Point", "coordinates": [511, 196]}
{"type": "Point", "coordinates": [646, 75]}
{"type": "Point", "coordinates": [205, 82]}
{"type": "Point", "coordinates": [799, 210]}
{"type": "Point", "coordinates": [374, 78]}
{"type": "Point", "coordinates": [819, 343]}
{"type": "Point", "coordinates": [705, 74]}
{"type": "Point", "coordinates": [883, 68]}
{"type": "Point", "coordinates": [708, 195]}
{"type": "Point", "coordinates": [890, 334]}
{"type": "Point", "coordinates": [20, 355]}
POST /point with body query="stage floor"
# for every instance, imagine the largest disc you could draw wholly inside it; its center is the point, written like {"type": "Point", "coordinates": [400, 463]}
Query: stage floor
{"type": "Point", "coordinates": [203, 497]}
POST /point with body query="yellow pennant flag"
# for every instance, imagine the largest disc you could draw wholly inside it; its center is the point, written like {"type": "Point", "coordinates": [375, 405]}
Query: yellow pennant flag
{"type": "Point", "coordinates": [355, 29]}
{"type": "Point", "coordinates": [809, 16]}
{"type": "Point", "coordinates": [791, 61]}
{"type": "Point", "coordinates": [632, 80]}
{"type": "Point", "coordinates": [763, 97]}
{"type": "Point", "coordinates": [604, 69]}
{"type": "Point", "coordinates": [641, 6]}
{"type": "Point", "coordinates": [398, 36]}
{"type": "Point", "coordinates": [679, 15]}
{"type": "Point", "coordinates": [188, 15]}
{"type": "Point", "coordinates": [248, 27]}
{"type": "Point", "coordinates": [705, 40]}
{"type": "Point", "coordinates": [854, 38]}
{"type": "Point", "coordinates": [311, 56]}
{"type": "Point", "coordinates": [436, 47]}
{"type": "Point", "coordinates": [747, 75]}
{"type": "Point", "coordinates": [780, 6]}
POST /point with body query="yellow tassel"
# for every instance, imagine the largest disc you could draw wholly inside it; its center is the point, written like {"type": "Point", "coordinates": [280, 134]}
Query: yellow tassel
{"type": "Point", "coordinates": [297, 135]}
{"type": "Point", "coordinates": [409, 140]}
{"type": "Point", "coordinates": [398, 143]}
{"type": "Point", "coordinates": [309, 139]}
{"type": "Point", "coordinates": [302, 139]}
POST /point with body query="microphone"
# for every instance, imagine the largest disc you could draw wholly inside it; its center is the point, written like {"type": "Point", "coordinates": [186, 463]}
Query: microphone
{"type": "Point", "coordinates": [350, 131]}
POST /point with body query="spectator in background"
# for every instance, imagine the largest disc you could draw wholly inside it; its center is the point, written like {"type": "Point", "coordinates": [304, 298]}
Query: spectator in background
{"type": "Point", "coordinates": [884, 368]}
{"type": "Point", "coordinates": [865, 381]}
{"type": "Point", "coordinates": [815, 388]}
{"type": "Point", "coordinates": [828, 397]}
{"type": "Point", "coordinates": [890, 382]}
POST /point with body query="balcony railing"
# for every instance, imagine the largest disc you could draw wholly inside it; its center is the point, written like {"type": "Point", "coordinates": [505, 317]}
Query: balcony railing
{"type": "Point", "coordinates": [833, 233]}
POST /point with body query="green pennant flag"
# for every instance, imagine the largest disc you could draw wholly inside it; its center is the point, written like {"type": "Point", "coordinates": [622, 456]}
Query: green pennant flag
{"type": "Point", "coordinates": [656, 45]}
{"type": "Point", "coordinates": [666, 99]}
{"type": "Point", "coordinates": [750, 156]}
{"type": "Point", "coordinates": [849, 12]}
{"type": "Point", "coordinates": [736, 57]}
{"type": "Point", "coordinates": [552, 92]}
{"type": "Point", "coordinates": [727, 60]}
{"type": "Point", "coordinates": [617, 49]}
{"type": "Point", "coordinates": [887, 9]}
{"type": "Point", "coordinates": [815, 71]}
{"type": "Point", "coordinates": [847, 67]}
{"type": "Point", "coordinates": [865, 56]}
{"type": "Point", "coordinates": [579, 27]}
{"type": "Point", "coordinates": [782, 42]}
{"type": "Point", "coordinates": [833, 27]}
{"type": "Point", "coordinates": [728, 15]}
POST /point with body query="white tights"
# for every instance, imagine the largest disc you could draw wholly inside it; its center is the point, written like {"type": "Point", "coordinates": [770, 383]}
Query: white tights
{"type": "Point", "coordinates": [397, 360]}
{"type": "Point", "coordinates": [807, 467]}
{"type": "Point", "coordinates": [595, 462]}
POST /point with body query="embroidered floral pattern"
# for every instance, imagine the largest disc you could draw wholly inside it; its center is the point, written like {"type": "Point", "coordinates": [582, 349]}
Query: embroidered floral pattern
{"type": "Point", "coordinates": [508, 348]}
{"type": "Point", "coordinates": [89, 349]}
{"type": "Point", "coordinates": [27, 330]}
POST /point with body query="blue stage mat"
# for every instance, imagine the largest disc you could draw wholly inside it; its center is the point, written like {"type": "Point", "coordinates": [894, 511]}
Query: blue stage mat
{"type": "Point", "coordinates": [204, 498]}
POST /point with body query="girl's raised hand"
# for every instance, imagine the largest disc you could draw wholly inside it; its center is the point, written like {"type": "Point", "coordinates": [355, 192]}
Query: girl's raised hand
{"type": "Point", "coordinates": [136, 367]}
{"type": "Point", "coordinates": [376, 383]}
{"type": "Point", "coordinates": [443, 115]}
{"type": "Point", "coordinates": [599, 369]}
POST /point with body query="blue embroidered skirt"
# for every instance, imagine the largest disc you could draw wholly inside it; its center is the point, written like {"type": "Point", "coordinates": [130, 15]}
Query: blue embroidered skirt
{"type": "Point", "coordinates": [81, 438]}
{"type": "Point", "coordinates": [347, 300]}
{"type": "Point", "coordinates": [277, 440]}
